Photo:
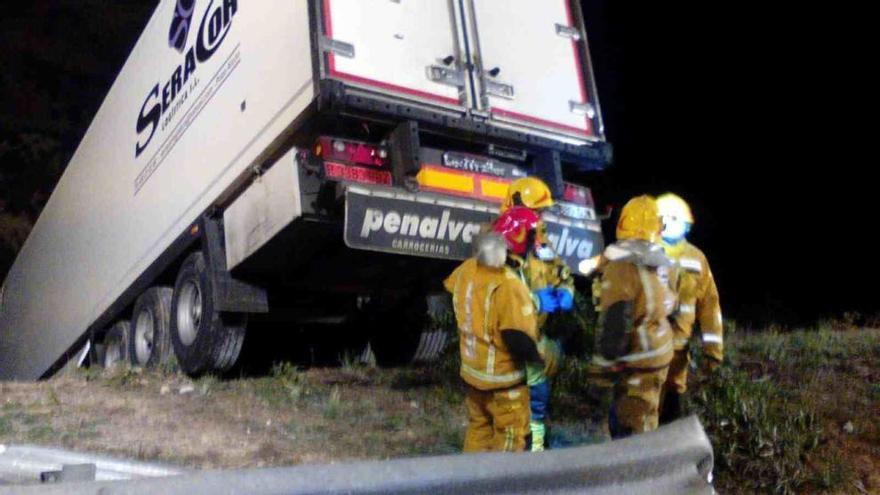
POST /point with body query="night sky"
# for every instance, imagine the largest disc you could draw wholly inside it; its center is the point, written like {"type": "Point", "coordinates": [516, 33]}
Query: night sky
{"type": "Point", "coordinates": [748, 112]}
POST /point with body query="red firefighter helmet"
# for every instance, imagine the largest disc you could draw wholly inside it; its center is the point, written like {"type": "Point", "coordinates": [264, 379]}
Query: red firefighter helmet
{"type": "Point", "coordinates": [514, 225]}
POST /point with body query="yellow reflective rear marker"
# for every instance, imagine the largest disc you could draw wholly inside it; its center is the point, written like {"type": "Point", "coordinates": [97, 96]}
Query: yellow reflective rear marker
{"type": "Point", "coordinates": [436, 179]}
{"type": "Point", "coordinates": [493, 189]}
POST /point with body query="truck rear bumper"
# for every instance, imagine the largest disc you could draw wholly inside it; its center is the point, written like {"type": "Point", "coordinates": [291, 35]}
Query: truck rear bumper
{"type": "Point", "coordinates": [430, 225]}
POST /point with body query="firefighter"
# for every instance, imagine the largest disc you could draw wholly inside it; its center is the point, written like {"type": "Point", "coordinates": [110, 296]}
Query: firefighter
{"type": "Point", "coordinates": [530, 192]}
{"type": "Point", "coordinates": [546, 274]}
{"type": "Point", "coordinates": [497, 326]}
{"type": "Point", "coordinates": [697, 301]}
{"type": "Point", "coordinates": [552, 287]}
{"type": "Point", "coordinates": [634, 344]}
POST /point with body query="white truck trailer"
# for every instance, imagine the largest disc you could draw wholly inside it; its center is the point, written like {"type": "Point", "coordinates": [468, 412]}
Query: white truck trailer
{"type": "Point", "coordinates": [317, 158]}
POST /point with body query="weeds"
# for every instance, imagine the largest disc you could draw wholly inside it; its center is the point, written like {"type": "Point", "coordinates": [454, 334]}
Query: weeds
{"type": "Point", "coordinates": [764, 424]}
{"type": "Point", "coordinates": [331, 406]}
{"type": "Point", "coordinates": [6, 427]}
{"type": "Point", "coordinates": [350, 361]}
{"type": "Point", "coordinates": [287, 385]}
{"type": "Point", "coordinates": [123, 377]}
{"type": "Point", "coordinates": [40, 434]}
{"type": "Point", "coordinates": [758, 435]}
{"type": "Point", "coordinates": [90, 373]}
{"type": "Point", "coordinates": [762, 409]}
{"type": "Point", "coordinates": [834, 473]}
{"type": "Point", "coordinates": [207, 383]}
{"type": "Point", "coordinates": [23, 424]}
{"type": "Point", "coordinates": [169, 367]}
{"type": "Point", "coordinates": [52, 398]}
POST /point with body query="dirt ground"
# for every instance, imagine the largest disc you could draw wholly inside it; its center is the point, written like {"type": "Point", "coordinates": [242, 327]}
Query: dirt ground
{"type": "Point", "coordinates": [832, 374]}
{"type": "Point", "coordinates": [846, 396]}
{"type": "Point", "coordinates": [292, 417]}
{"type": "Point", "coordinates": [324, 415]}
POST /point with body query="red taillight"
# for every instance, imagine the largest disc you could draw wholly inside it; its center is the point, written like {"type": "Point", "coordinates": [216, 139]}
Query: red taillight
{"type": "Point", "coordinates": [368, 155]}
{"type": "Point", "coordinates": [577, 195]}
{"type": "Point", "coordinates": [351, 151]}
{"type": "Point", "coordinates": [339, 171]}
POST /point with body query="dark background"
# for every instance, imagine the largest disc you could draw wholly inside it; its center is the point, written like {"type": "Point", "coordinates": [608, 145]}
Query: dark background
{"type": "Point", "coordinates": [752, 113]}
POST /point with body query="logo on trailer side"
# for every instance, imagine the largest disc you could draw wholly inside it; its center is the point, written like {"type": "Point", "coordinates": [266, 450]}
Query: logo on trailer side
{"type": "Point", "coordinates": [180, 24]}
{"type": "Point", "coordinates": [168, 96]}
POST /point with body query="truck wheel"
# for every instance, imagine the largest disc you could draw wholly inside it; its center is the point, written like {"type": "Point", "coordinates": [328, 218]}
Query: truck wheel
{"type": "Point", "coordinates": [115, 348]}
{"type": "Point", "coordinates": [413, 330]}
{"type": "Point", "coordinates": [204, 341]}
{"type": "Point", "coordinates": [148, 341]}
{"type": "Point", "coordinates": [397, 331]}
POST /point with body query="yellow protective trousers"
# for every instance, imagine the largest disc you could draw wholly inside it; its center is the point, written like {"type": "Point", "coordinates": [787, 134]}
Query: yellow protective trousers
{"type": "Point", "coordinates": [676, 379]}
{"type": "Point", "coordinates": [498, 420]}
{"type": "Point", "coordinates": [636, 406]}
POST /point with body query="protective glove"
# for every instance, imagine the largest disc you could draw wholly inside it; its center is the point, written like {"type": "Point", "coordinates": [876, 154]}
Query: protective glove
{"type": "Point", "coordinates": [547, 302]}
{"type": "Point", "coordinates": [565, 299]}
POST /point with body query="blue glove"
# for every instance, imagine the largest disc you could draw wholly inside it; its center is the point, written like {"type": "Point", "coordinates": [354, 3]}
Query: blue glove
{"type": "Point", "coordinates": [565, 299]}
{"type": "Point", "coordinates": [548, 302]}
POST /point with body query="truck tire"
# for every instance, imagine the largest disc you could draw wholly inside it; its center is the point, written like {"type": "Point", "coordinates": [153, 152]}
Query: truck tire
{"type": "Point", "coordinates": [204, 340]}
{"type": "Point", "coordinates": [403, 333]}
{"type": "Point", "coordinates": [115, 347]}
{"type": "Point", "coordinates": [397, 330]}
{"type": "Point", "coordinates": [148, 342]}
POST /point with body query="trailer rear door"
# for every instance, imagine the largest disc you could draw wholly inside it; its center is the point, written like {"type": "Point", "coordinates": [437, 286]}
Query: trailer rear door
{"type": "Point", "coordinates": [530, 65]}
{"type": "Point", "coordinates": [403, 47]}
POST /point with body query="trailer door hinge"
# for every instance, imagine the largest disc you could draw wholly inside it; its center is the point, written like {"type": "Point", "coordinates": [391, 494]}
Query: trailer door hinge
{"type": "Point", "coordinates": [445, 75]}
{"type": "Point", "coordinates": [337, 47]}
{"type": "Point", "coordinates": [499, 89]}
{"type": "Point", "coordinates": [582, 109]}
{"type": "Point", "coordinates": [569, 32]}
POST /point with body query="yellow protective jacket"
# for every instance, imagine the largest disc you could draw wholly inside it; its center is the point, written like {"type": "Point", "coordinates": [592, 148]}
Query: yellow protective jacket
{"type": "Point", "coordinates": [486, 301]}
{"type": "Point", "coordinates": [550, 273]}
{"type": "Point", "coordinates": [540, 274]}
{"type": "Point", "coordinates": [692, 281]}
{"type": "Point", "coordinates": [634, 302]}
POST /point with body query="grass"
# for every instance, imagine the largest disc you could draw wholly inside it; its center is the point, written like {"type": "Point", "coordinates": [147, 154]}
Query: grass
{"type": "Point", "coordinates": [41, 433]}
{"type": "Point", "coordinates": [6, 427]}
{"type": "Point", "coordinates": [835, 473]}
{"type": "Point", "coordinates": [331, 406]}
{"type": "Point", "coordinates": [775, 411]}
{"type": "Point", "coordinates": [760, 436]}
{"type": "Point", "coordinates": [29, 423]}
{"type": "Point", "coordinates": [122, 377]}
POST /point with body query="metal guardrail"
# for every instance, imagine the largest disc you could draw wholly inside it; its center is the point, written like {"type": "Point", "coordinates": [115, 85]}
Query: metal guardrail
{"type": "Point", "coordinates": [25, 464]}
{"type": "Point", "coordinates": [676, 459]}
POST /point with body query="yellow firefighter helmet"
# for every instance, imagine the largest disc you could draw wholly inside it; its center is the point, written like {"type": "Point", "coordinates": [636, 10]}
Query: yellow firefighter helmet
{"type": "Point", "coordinates": [671, 205]}
{"type": "Point", "coordinates": [530, 192]}
{"type": "Point", "coordinates": [639, 220]}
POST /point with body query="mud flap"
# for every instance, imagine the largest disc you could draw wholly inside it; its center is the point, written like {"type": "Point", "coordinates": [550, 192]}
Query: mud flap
{"type": "Point", "coordinates": [435, 226]}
